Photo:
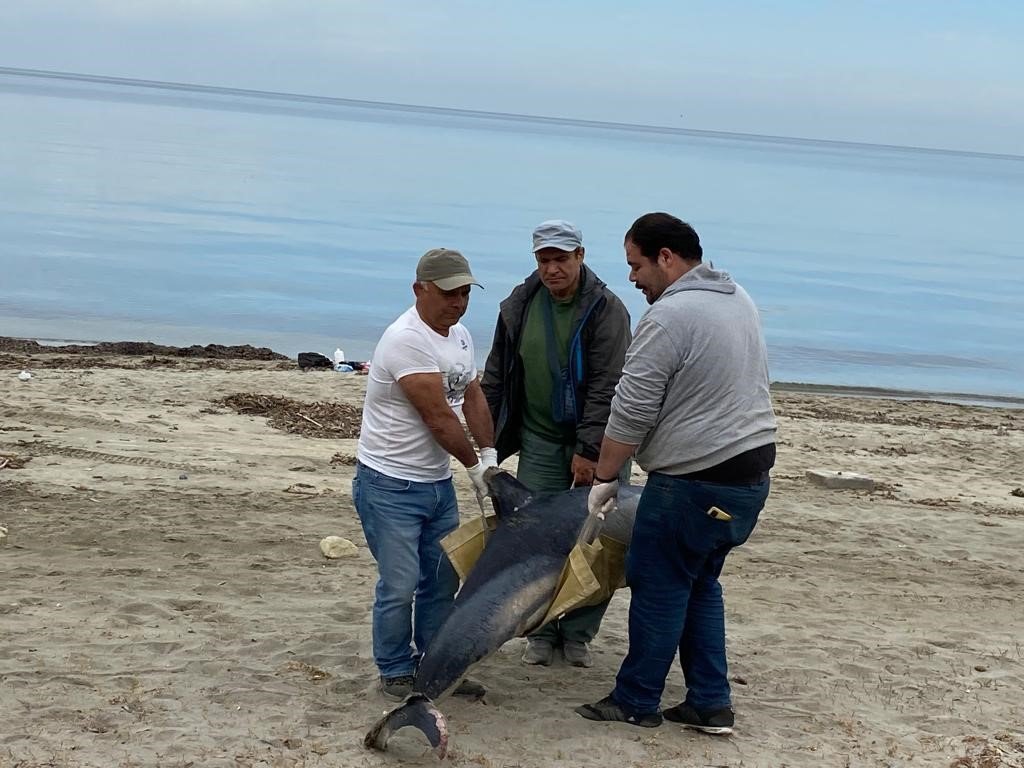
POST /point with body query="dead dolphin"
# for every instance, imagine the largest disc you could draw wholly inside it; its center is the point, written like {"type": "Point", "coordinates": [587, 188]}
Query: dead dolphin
{"type": "Point", "coordinates": [506, 595]}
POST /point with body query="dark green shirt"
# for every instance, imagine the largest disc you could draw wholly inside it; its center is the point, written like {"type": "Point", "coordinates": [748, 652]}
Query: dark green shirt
{"type": "Point", "coordinates": [537, 376]}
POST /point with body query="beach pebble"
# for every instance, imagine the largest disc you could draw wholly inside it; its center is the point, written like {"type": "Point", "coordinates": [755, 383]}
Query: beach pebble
{"type": "Point", "coordinates": [335, 546]}
{"type": "Point", "coordinates": [183, 476]}
{"type": "Point", "coordinates": [828, 478]}
{"type": "Point", "coordinates": [3, 535]}
{"type": "Point", "coordinates": [24, 376]}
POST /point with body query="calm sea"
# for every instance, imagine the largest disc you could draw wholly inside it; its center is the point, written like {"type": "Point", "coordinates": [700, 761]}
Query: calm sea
{"type": "Point", "coordinates": [187, 217]}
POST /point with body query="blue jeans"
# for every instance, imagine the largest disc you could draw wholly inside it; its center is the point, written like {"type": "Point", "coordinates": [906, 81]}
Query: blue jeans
{"type": "Point", "coordinates": [404, 522]}
{"type": "Point", "coordinates": [672, 568]}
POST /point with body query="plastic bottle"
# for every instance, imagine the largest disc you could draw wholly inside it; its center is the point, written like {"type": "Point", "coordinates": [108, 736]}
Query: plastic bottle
{"type": "Point", "coordinates": [339, 356]}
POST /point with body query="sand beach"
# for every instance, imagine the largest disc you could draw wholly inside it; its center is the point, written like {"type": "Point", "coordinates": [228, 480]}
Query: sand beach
{"type": "Point", "coordinates": [164, 601]}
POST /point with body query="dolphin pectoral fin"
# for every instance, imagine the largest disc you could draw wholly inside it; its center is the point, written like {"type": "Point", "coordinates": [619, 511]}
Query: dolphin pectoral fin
{"type": "Point", "coordinates": [417, 711]}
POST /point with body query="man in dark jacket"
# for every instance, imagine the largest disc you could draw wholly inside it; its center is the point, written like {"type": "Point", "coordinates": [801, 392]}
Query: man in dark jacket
{"type": "Point", "coordinates": [558, 351]}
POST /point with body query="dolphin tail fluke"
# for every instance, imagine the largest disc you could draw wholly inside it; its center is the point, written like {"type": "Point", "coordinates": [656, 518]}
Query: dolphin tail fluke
{"type": "Point", "coordinates": [417, 711]}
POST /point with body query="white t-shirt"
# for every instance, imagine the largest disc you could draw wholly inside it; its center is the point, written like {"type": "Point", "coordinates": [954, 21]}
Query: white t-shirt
{"type": "Point", "coordinates": [394, 439]}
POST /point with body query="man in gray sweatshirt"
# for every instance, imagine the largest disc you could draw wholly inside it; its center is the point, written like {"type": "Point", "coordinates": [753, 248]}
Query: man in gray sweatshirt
{"type": "Point", "coordinates": [693, 405]}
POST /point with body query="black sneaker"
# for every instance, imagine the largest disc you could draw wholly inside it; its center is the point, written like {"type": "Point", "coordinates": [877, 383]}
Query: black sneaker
{"type": "Point", "coordinates": [398, 687]}
{"type": "Point", "coordinates": [607, 709]}
{"type": "Point", "coordinates": [715, 721]}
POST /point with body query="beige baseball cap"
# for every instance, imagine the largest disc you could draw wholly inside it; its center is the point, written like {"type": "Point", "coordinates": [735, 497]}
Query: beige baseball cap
{"type": "Point", "coordinates": [445, 268]}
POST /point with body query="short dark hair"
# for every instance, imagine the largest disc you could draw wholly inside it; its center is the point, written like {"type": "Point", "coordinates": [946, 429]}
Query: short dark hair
{"type": "Point", "coordinates": [654, 231]}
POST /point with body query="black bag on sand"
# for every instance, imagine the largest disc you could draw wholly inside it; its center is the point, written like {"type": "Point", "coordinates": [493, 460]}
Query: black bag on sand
{"type": "Point", "coordinates": [314, 360]}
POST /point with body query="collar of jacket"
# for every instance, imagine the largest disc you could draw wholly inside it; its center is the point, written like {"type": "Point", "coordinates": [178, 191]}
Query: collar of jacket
{"type": "Point", "coordinates": [514, 307]}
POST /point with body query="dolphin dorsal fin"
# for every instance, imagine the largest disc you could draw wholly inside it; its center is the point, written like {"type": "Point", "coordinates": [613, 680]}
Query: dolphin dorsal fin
{"type": "Point", "coordinates": [508, 494]}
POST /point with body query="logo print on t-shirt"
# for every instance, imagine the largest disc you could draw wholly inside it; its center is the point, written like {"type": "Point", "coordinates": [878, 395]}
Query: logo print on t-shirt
{"type": "Point", "coordinates": [456, 379]}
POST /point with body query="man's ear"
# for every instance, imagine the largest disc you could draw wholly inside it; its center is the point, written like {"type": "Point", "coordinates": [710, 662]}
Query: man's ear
{"type": "Point", "coordinates": [583, 252]}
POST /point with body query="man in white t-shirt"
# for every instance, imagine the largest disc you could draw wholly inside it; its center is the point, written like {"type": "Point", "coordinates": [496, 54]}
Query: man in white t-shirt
{"type": "Point", "coordinates": [422, 378]}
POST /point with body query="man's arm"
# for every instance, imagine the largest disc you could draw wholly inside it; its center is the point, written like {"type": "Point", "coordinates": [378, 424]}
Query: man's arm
{"type": "Point", "coordinates": [613, 455]}
{"type": "Point", "coordinates": [426, 393]}
{"type": "Point", "coordinates": [606, 353]}
{"type": "Point", "coordinates": [478, 417]}
{"type": "Point", "coordinates": [652, 362]}
{"type": "Point", "coordinates": [493, 382]}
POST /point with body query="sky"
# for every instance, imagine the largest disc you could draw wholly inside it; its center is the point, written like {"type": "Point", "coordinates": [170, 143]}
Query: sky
{"type": "Point", "coordinates": [930, 73]}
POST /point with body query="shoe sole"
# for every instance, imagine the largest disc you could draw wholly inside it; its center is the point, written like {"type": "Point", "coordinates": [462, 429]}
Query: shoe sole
{"type": "Point", "coordinates": [393, 696]}
{"type": "Point", "coordinates": [475, 694]}
{"type": "Point", "coordinates": [714, 730]}
{"type": "Point", "coordinates": [537, 663]}
{"type": "Point", "coordinates": [577, 655]}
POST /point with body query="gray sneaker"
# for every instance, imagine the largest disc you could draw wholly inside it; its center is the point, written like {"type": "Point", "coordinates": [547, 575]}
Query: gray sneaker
{"type": "Point", "coordinates": [396, 688]}
{"type": "Point", "coordinates": [577, 654]}
{"type": "Point", "coordinates": [538, 652]}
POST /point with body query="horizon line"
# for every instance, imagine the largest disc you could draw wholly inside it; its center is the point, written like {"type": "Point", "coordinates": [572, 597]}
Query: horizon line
{"type": "Point", "coordinates": [170, 85]}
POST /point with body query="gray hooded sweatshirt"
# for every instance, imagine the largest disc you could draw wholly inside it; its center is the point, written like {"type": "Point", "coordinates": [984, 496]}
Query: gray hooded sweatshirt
{"type": "Point", "coordinates": [694, 388]}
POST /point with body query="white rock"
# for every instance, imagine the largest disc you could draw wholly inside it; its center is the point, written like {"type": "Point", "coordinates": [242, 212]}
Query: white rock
{"type": "Point", "coordinates": [24, 376]}
{"type": "Point", "coordinates": [3, 535]}
{"type": "Point", "coordinates": [335, 546]}
{"type": "Point", "coordinates": [832, 479]}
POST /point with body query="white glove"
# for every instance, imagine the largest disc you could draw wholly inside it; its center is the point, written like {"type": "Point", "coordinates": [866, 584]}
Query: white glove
{"type": "Point", "coordinates": [489, 457]}
{"type": "Point", "coordinates": [479, 483]}
{"type": "Point", "coordinates": [601, 500]}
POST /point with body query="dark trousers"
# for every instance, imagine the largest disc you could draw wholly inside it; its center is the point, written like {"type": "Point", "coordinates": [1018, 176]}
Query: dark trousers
{"type": "Point", "coordinates": [546, 467]}
{"type": "Point", "coordinates": [676, 605]}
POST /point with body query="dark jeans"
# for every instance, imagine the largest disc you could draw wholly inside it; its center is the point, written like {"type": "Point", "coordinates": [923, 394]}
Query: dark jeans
{"type": "Point", "coordinates": [580, 625]}
{"type": "Point", "coordinates": [672, 569]}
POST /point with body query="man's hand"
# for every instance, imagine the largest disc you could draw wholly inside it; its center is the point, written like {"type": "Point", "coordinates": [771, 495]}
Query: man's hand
{"type": "Point", "coordinates": [488, 459]}
{"type": "Point", "coordinates": [601, 500]}
{"type": "Point", "coordinates": [582, 470]}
